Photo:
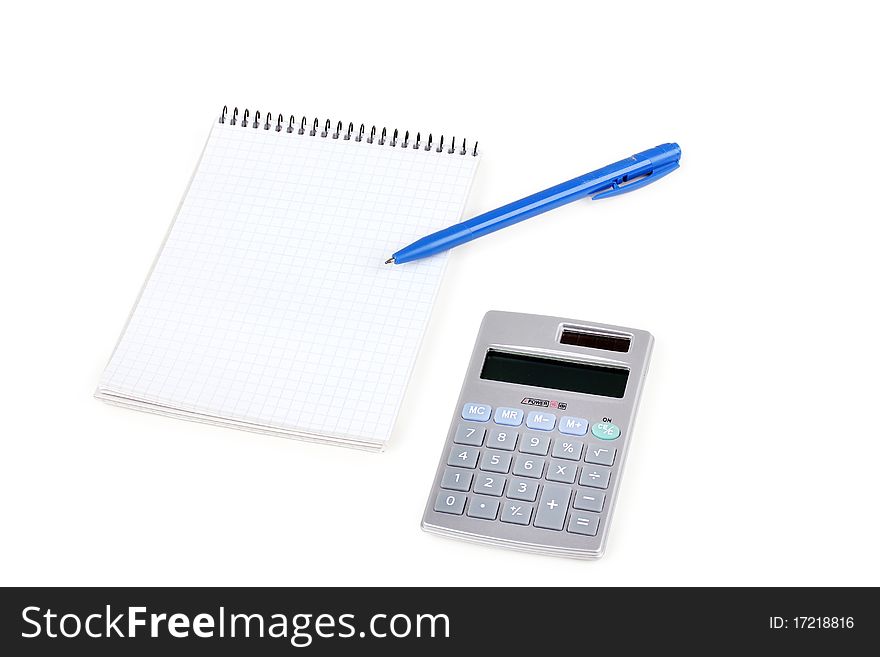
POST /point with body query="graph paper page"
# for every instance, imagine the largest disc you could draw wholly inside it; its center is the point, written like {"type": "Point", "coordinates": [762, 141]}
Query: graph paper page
{"type": "Point", "coordinates": [270, 304]}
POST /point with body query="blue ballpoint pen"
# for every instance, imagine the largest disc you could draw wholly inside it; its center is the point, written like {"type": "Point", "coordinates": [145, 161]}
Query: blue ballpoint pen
{"type": "Point", "coordinates": [618, 178]}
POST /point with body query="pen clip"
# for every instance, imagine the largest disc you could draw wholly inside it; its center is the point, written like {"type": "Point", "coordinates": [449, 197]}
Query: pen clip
{"type": "Point", "coordinates": [617, 188]}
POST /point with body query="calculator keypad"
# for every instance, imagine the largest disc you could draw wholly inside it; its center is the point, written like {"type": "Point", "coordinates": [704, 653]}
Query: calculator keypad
{"type": "Point", "coordinates": [545, 476]}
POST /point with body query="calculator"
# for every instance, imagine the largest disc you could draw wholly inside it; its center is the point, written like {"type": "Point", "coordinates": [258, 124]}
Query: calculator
{"type": "Point", "coordinates": [535, 451]}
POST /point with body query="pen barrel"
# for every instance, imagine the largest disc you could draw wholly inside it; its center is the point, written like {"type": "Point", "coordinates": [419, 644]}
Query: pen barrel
{"type": "Point", "coordinates": [610, 177]}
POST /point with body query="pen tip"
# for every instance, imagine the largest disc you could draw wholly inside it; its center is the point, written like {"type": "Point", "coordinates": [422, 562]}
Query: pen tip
{"type": "Point", "coordinates": [389, 261]}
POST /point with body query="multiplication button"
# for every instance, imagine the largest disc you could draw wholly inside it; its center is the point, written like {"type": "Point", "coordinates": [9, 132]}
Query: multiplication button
{"type": "Point", "coordinates": [564, 471]}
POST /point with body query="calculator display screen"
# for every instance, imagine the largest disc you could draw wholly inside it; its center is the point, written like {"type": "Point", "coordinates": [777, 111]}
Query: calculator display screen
{"type": "Point", "coordinates": [556, 374]}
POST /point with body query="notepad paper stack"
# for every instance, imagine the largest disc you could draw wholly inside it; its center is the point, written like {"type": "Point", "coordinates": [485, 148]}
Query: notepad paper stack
{"type": "Point", "coordinates": [268, 307]}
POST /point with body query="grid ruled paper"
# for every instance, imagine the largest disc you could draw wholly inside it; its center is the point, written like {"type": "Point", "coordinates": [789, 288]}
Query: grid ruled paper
{"type": "Point", "coordinates": [269, 305]}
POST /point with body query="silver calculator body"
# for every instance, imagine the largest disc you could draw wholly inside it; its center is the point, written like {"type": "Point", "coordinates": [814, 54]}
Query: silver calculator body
{"type": "Point", "coordinates": [536, 448]}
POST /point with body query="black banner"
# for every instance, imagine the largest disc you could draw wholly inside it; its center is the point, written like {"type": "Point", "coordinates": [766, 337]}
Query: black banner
{"type": "Point", "coordinates": [540, 621]}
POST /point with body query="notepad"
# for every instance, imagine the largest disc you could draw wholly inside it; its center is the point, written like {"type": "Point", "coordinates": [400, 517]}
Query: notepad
{"type": "Point", "coordinates": [269, 307]}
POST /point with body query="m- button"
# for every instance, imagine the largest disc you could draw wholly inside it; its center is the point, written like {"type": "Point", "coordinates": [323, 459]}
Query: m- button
{"type": "Point", "coordinates": [541, 421]}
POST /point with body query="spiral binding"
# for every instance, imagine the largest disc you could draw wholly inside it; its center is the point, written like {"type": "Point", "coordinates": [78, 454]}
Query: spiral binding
{"type": "Point", "coordinates": [327, 130]}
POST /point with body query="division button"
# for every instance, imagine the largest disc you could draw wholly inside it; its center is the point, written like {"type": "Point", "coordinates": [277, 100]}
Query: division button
{"type": "Point", "coordinates": [595, 476]}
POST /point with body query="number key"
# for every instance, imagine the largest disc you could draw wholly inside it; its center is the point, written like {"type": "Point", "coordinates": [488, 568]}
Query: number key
{"type": "Point", "coordinates": [527, 466]}
{"type": "Point", "coordinates": [496, 462]}
{"type": "Point", "coordinates": [522, 489]}
{"type": "Point", "coordinates": [489, 484]}
{"type": "Point", "coordinates": [535, 444]}
{"type": "Point", "coordinates": [463, 457]}
{"type": "Point", "coordinates": [447, 502]}
{"type": "Point", "coordinates": [502, 439]}
{"type": "Point", "coordinates": [455, 479]}
{"type": "Point", "coordinates": [469, 435]}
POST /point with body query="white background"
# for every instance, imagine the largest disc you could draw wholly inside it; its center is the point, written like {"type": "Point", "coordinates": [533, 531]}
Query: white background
{"type": "Point", "coordinates": [756, 451]}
